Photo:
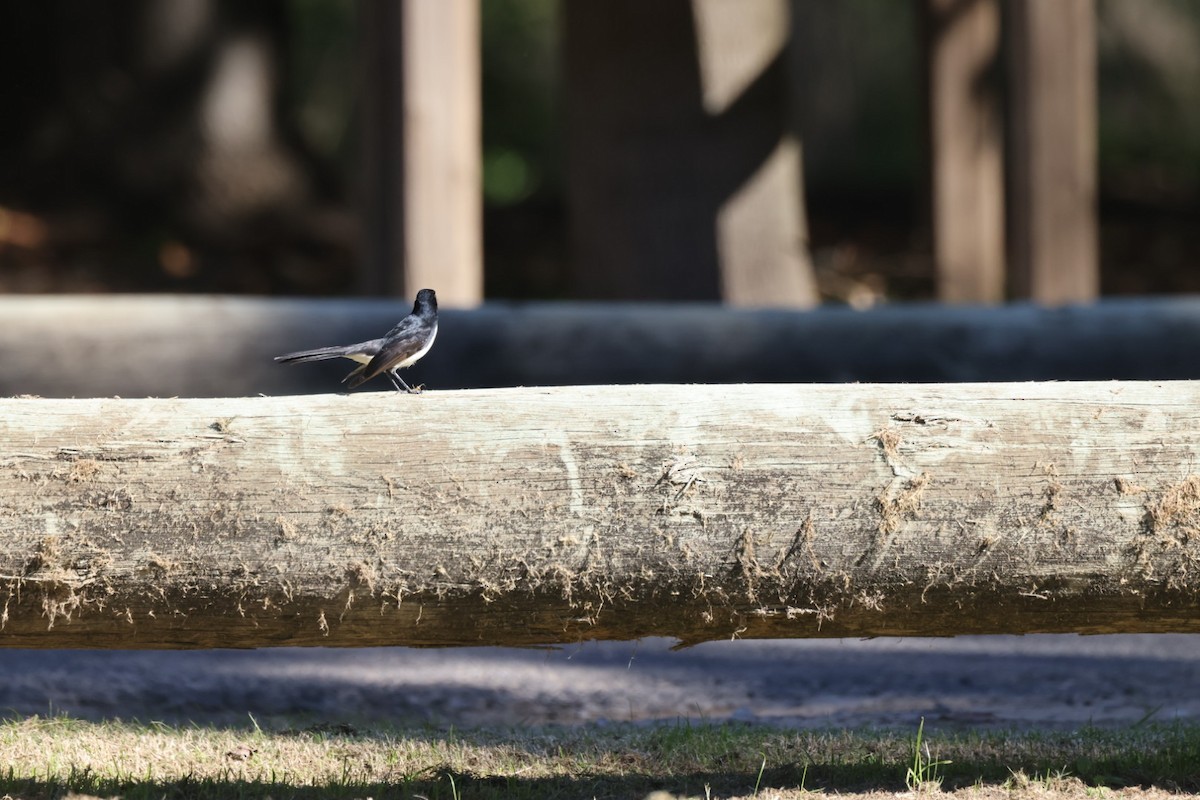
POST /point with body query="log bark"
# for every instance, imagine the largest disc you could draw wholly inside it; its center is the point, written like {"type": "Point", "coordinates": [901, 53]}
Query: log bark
{"type": "Point", "coordinates": [530, 516]}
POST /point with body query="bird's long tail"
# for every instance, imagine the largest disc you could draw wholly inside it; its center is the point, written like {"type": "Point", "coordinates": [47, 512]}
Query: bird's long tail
{"type": "Point", "coordinates": [320, 354]}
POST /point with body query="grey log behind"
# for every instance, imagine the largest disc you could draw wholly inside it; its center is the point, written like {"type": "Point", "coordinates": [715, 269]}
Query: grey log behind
{"type": "Point", "coordinates": [222, 346]}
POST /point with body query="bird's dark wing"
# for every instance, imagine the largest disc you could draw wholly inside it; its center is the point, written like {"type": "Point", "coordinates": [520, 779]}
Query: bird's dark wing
{"type": "Point", "coordinates": [402, 342]}
{"type": "Point", "coordinates": [354, 373]}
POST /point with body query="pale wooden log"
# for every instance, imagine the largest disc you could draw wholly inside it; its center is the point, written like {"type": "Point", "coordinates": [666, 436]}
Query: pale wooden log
{"type": "Point", "coordinates": [526, 516]}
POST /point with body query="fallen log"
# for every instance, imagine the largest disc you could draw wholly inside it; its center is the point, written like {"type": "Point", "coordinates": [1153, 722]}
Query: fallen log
{"type": "Point", "coordinates": [531, 516]}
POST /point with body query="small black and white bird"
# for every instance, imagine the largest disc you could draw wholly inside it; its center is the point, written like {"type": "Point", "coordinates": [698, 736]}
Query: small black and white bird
{"type": "Point", "coordinates": [401, 347]}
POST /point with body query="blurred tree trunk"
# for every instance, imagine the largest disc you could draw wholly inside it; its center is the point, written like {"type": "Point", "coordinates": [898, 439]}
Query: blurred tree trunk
{"type": "Point", "coordinates": [966, 145]}
{"type": "Point", "coordinates": [1053, 130]}
{"type": "Point", "coordinates": [154, 136]}
{"type": "Point", "coordinates": [684, 172]}
{"type": "Point", "coordinates": [423, 190]}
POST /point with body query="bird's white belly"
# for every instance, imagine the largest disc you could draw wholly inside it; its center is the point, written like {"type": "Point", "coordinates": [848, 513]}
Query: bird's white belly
{"type": "Point", "coordinates": [417, 355]}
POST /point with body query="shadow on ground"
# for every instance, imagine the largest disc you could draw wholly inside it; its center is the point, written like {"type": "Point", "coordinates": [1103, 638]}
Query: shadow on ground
{"type": "Point", "coordinates": [975, 682]}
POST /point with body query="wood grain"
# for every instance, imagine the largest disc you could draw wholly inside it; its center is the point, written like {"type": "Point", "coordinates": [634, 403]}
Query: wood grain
{"type": "Point", "coordinates": [527, 516]}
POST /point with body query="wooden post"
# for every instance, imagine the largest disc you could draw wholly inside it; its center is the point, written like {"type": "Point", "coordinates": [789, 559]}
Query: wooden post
{"type": "Point", "coordinates": [1053, 150]}
{"type": "Point", "coordinates": [530, 516]}
{"type": "Point", "coordinates": [422, 159]}
{"type": "Point", "coordinates": [684, 171]}
{"type": "Point", "coordinates": [966, 149]}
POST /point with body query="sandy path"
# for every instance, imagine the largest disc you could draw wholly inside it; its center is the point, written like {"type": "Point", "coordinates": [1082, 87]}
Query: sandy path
{"type": "Point", "coordinates": [969, 682]}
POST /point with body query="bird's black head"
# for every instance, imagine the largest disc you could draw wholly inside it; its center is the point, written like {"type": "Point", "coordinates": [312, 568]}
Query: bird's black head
{"type": "Point", "coordinates": [426, 302]}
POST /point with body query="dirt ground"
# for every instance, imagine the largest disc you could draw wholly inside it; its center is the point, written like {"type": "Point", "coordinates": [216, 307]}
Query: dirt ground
{"type": "Point", "coordinates": [969, 682]}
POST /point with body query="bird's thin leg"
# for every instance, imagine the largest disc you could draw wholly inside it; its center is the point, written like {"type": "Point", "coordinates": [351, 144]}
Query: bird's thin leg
{"type": "Point", "coordinates": [395, 376]}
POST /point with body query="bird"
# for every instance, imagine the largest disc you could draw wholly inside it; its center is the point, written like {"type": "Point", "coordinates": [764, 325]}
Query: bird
{"type": "Point", "coordinates": [400, 347]}
{"type": "Point", "coordinates": [241, 753]}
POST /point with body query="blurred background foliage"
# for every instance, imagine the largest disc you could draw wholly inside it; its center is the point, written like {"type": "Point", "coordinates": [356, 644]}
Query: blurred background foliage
{"type": "Point", "coordinates": [211, 145]}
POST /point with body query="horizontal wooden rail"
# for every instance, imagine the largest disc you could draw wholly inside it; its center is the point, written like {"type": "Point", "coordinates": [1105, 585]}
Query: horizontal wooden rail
{"type": "Point", "coordinates": [134, 346]}
{"type": "Point", "coordinates": [526, 516]}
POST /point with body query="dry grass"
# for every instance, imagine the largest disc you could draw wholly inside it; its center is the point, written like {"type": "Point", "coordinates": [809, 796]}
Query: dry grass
{"type": "Point", "coordinates": [53, 758]}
